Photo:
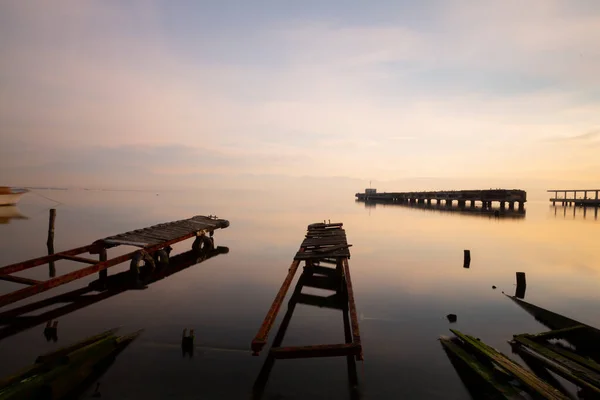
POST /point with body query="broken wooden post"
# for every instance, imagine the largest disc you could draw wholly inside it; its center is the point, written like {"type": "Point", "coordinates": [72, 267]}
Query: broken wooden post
{"type": "Point", "coordinates": [521, 285]}
{"type": "Point", "coordinates": [467, 261]}
{"type": "Point", "coordinates": [50, 242]}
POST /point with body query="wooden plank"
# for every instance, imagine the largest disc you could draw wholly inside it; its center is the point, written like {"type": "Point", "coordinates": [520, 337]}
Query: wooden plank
{"type": "Point", "coordinates": [324, 350]}
{"type": "Point", "coordinates": [483, 371]}
{"type": "Point", "coordinates": [332, 248]}
{"type": "Point", "coordinates": [352, 306]}
{"type": "Point", "coordinates": [125, 242]}
{"type": "Point", "coordinates": [260, 340]}
{"type": "Point", "coordinates": [558, 333]}
{"type": "Point", "coordinates": [78, 259]}
{"type": "Point", "coordinates": [21, 266]}
{"type": "Point", "coordinates": [526, 377]}
{"type": "Point", "coordinates": [573, 365]}
{"type": "Point", "coordinates": [19, 279]}
{"type": "Point", "coordinates": [561, 370]}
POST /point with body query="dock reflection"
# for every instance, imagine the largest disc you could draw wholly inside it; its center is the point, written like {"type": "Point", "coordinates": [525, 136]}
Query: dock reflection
{"type": "Point", "coordinates": [468, 211]}
{"type": "Point", "coordinates": [14, 321]}
{"type": "Point", "coordinates": [575, 212]}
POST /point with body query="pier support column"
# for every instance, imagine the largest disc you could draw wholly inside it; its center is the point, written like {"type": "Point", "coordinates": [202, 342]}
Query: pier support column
{"type": "Point", "coordinates": [502, 205]}
{"type": "Point", "coordinates": [511, 205]}
{"type": "Point", "coordinates": [461, 203]}
{"type": "Point", "coordinates": [428, 202]}
{"type": "Point", "coordinates": [472, 203]}
{"type": "Point", "coordinates": [448, 203]}
{"type": "Point", "coordinates": [521, 206]}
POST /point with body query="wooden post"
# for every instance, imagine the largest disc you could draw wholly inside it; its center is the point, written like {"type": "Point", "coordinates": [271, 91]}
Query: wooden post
{"type": "Point", "coordinates": [467, 260]}
{"type": "Point", "coordinates": [102, 256]}
{"type": "Point", "coordinates": [50, 242]}
{"type": "Point", "coordinates": [521, 285]}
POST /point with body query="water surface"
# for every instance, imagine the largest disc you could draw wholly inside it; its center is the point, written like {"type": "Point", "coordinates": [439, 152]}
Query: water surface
{"type": "Point", "coordinates": [407, 271]}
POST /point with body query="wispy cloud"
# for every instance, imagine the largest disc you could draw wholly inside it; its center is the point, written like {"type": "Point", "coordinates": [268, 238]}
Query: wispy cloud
{"type": "Point", "coordinates": [586, 137]}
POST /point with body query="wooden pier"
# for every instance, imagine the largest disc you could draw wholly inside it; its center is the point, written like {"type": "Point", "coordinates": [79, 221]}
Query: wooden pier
{"type": "Point", "coordinates": [440, 208]}
{"type": "Point", "coordinates": [566, 200]}
{"type": "Point", "coordinates": [21, 318]}
{"type": "Point", "coordinates": [323, 244]}
{"type": "Point", "coordinates": [154, 245]}
{"type": "Point", "coordinates": [505, 198]}
{"type": "Point", "coordinates": [325, 252]}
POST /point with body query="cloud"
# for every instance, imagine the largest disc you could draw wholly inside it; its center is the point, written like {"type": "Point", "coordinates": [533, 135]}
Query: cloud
{"type": "Point", "coordinates": [586, 137]}
{"type": "Point", "coordinates": [350, 91]}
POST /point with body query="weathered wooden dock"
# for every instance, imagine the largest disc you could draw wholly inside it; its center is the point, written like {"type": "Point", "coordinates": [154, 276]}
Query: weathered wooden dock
{"type": "Point", "coordinates": [506, 198]}
{"type": "Point", "coordinates": [323, 244]}
{"type": "Point", "coordinates": [567, 200]}
{"type": "Point", "coordinates": [154, 245]}
{"type": "Point", "coordinates": [24, 317]}
{"type": "Point", "coordinates": [325, 252]}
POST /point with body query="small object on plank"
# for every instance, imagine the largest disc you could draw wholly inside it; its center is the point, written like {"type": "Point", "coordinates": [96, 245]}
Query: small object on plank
{"type": "Point", "coordinates": [493, 287]}
{"type": "Point", "coordinates": [452, 318]}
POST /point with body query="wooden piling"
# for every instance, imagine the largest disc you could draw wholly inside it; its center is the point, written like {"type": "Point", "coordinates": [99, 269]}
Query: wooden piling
{"type": "Point", "coordinates": [50, 242]}
{"type": "Point", "coordinates": [521, 285]}
{"type": "Point", "coordinates": [467, 260]}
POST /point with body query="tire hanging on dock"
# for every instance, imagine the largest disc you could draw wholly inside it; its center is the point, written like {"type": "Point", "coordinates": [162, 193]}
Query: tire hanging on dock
{"type": "Point", "coordinates": [203, 243]}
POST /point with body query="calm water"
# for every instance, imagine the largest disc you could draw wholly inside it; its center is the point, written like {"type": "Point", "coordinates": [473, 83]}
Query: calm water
{"type": "Point", "coordinates": [406, 268]}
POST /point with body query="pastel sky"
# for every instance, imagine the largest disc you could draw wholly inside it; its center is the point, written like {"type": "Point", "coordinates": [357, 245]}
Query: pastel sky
{"type": "Point", "coordinates": [121, 92]}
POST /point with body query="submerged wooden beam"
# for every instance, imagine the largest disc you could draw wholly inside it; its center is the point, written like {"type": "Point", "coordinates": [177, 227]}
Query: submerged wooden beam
{"type": "Point", "coordinates": [352, 308]}
{"type": "Point", "coordinates": [21, 266]}
{"type": "Point", "coordinates": [564, 367]}
{"type": "Point", "coordinates": [324, 350]}
{"type": "Point", "coordinates": [572, 367]}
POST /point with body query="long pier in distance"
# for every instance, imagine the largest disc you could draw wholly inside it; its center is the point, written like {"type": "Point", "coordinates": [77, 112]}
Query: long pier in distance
{"type": "Point", "coordinates": [507, 198]}
{"type": "Point", "coordinates": [567, 200]}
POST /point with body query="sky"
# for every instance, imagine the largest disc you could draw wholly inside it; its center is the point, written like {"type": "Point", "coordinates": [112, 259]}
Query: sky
{"type": "Point", "coordinates": [149, 93]}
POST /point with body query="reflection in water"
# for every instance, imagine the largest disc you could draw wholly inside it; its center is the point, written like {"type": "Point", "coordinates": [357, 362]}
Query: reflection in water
{"type": "Point", "coordinates": [13, 322]}
{"type": "Point", "coordinates": [578, 212]}
{"type": "Point", "coordinates": [473, 211]}
{"type": "Point", "coordinates": [10, 212]}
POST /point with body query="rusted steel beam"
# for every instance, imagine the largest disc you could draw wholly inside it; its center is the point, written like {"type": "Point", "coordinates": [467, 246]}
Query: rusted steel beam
{"type": "Point", "coordinates": [260, 340]}
{"type": "Point", "coordinates": [18, 279]}
{"type": "Point", "coordinates": [352, 309]}
{"type": "Point", "coordinates": [324, 350]}
{"type": "Point", "coordinates": [61, 280]}
{"type": "Point", "coordinates": [78, 259]}
{"type": "Point", "coordinates": [9, 269]}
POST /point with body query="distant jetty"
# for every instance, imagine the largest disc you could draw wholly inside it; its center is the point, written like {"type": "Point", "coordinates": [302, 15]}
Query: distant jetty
{"type": "Point", "coordinates": [507, 198]}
